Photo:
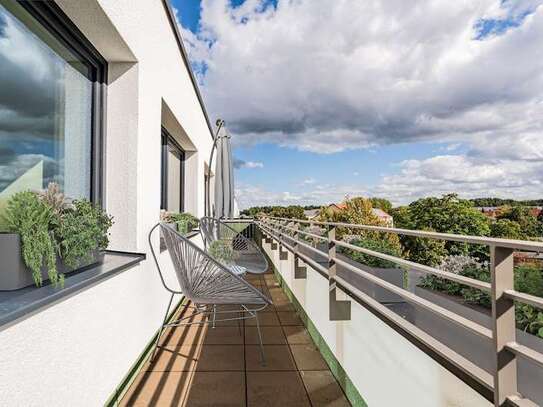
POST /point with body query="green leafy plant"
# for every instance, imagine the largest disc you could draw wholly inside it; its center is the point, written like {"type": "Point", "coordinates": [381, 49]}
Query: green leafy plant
{"type": "Point", "coordinates": [185, 221]}
{"type": "Point", "coordinates": [448, 214]}
{"type": "Point", "coordinates": [49, 227]}
{"type": "Point", "coordinates": [32, 218]}
{"type": "Point", "coordinates": [82, 230]}
{"type": "Point", "coordinates": [221, 251]}
{"type": "Point", "coordinates": [376, 245]}
{"type": "Point", "coordinates": [53, 197]}
{"type": "Point", "coordinates": [528, 279]}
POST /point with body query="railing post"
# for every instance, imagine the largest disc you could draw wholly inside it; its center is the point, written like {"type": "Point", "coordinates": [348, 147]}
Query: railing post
{"type": "Point", "coordinates": [503, 323]}
{"type": "Point", "coordinates": [299, 271]}
{"type": "Point", "coordinates": [267, 238]}
{"type": "Point", "coordinates": [338, 310]}
{"type": "Point", "coordinates": [283, 255]}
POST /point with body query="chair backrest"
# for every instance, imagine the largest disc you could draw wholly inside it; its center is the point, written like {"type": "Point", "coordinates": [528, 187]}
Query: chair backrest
{"type": "Point", "coordinates": [246, 251]}
{"type": "Point", "coordinates": [202, 279]}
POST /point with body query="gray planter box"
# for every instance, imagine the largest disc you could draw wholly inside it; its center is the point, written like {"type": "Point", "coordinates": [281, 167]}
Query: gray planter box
{"type": "Point", "coordinates": [13, 272]}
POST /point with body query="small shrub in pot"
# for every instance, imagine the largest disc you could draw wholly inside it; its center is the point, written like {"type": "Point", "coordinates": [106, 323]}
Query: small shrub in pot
{"type": "Point", "coordinates": [51, 227]}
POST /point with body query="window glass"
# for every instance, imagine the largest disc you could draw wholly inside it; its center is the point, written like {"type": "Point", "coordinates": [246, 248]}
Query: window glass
{"type": "Point", "coordinates": [172, 174]}
{"type": "Point", "coordinates": [46, 104]}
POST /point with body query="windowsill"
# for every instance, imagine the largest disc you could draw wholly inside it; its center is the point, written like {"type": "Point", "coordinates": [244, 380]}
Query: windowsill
{"type": "Point", "coordinates": [19, 303]}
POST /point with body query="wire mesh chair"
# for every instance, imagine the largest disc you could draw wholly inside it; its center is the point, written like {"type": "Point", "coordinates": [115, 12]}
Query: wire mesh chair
{"type": "Point", "coordinates": [231, 248]}
{"type": "Point", "coordinates": [206, 284]}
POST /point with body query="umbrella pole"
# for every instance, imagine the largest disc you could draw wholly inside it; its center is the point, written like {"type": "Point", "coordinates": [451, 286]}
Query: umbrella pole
{"type": "Point", "coordinates": [207, 197]}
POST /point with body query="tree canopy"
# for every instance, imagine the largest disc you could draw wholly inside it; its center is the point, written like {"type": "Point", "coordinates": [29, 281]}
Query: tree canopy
{"type": "Point", "coordinates": [447, 214]}
{"type": "Point", "coordinates": [291, 212]}
{"type": "Point", "coordinates": [382, 203]}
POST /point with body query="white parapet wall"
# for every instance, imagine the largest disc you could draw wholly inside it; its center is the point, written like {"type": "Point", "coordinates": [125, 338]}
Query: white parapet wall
{"type": "Point", "coordinates": [385, 368]}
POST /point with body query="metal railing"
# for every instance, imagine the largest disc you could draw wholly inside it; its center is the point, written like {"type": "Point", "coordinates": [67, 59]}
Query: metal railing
{"type": "Point", "coordinates": [503, 384]}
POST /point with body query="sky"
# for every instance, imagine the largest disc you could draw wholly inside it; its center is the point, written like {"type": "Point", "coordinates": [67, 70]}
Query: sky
{"type": "Point", "coordinates": [401, 100]}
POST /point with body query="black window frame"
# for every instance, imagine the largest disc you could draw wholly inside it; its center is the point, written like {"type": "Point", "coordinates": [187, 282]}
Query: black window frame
{"type": "Point", "coordinates": [58, 24]}
{"type": "Point", "coordinates": [168, 142]}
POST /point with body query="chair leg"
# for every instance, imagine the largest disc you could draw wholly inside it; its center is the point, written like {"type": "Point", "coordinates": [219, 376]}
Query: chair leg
{"type": "Point", "coordinates": [240, 316]}
{"type": "Point", "coordinates": [161, 328]}
{"type": "Point", "coordinates": [260, 339]}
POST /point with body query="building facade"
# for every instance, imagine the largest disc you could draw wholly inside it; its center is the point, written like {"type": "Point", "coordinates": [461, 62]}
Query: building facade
{"type": "Point", "coordinates": [97, 96]}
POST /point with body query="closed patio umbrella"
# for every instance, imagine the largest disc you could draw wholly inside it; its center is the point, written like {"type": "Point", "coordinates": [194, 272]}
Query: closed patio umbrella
{"type": "Point", "coordinates": [224, 176]}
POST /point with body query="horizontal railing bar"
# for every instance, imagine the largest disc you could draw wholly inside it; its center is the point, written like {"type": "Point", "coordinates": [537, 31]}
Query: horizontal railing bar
{"type": "Point", "coordinates": [524, 298]}
{"type": "Point", "coordinates": [525, 352]}
{"type": "Point", "coordinates": [415, 299]}
{"type": "Point", "coordinates": [465, 366]}
{"type": "Point", "coordinates": [523, 245]}
{"type": "Point", "coordinates": [302, 232]}
{"type": "Point", "coordinates": [312, 263]}
{"type": "Point", "coordinates": [469, 368]}
{"type": "Point", "coordinates": [481, 285]}
{"type": "Point", "coordinates": [308, 260]}
{"type": "Point", "coordinates": [517, 401]}
{"type": "Point", "coordinates": [301, 243]}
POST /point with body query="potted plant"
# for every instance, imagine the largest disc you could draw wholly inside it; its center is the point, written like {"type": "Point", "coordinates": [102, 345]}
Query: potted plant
{"type": "Point", "coordinates": [182, 222]}
{"type": "Point", "coordinates": [48, 236]}
{"type": "Point", "coordinates": [221, 251]}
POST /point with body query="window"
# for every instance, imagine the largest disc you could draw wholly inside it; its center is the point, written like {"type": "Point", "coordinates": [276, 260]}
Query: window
{"type": "Point", "coordinates": [173, 163]}
{"type": "Point", "coordinates": [50, 102]}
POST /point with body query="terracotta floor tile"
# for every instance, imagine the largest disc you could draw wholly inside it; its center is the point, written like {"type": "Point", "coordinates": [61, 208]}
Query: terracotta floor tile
{"type": "Point", "coordinates": [201, 334]}
{"type": "Point", "coordinates": [187, 389]}
{"type": "Point", "coordinates": [265, 319]}
{"type": "Point", "coordinates": [204, 366]}
{"type": "Point", "coordinates": [271, 335]}
{"type": "Point", "coordinates": [183, 335]}
{"type": "Point", "coordinates": [289, 318]}
{"type": "Point", "coordinates": [297, 335]}
{"type": "Point", "coordinates": [269, 308]}
{"type": "Point", "coordinates": [230, 323]}
{"type": "Point", "coordinates": [278, 357]}
{"type": "Point", "coordinates": [267, 389]}
{"type": "Point", "coordinates": [323, 389]}
{"type": "Point", "coordinates": [270, 278]}
{"type": "Point", "coordinates": [277, 292]}
{"type": "Point", "coordinates": [199, 358]}
{"type": "Point", "coordinates": [308, 357]}
{"type": "Point", "coordinates": [287, 306]}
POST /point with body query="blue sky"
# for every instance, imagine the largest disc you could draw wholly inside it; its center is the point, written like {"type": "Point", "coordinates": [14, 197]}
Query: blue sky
{"type": "Point", "coordinates": [329, 99]}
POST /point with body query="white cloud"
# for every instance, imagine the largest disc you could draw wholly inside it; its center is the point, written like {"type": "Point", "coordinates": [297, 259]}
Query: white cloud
{"type": "Point", "coordinates": [327, 76]}
{"type": "Point", "coordinates": [256, 195]}
{"type": "Point", "coordinates": [308, 181]}
{"type": "Point", "coordinates": [469, 176]}
{"type": "Point", "coordinates": [247, 164]}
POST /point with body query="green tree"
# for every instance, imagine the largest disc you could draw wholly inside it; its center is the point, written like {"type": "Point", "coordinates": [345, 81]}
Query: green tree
{"type": "Point", "coordinates": [382, 203]}
{"type": "Point", "coordinates": [447, 214]}
{"type": "Point", "coordinates": [506, 229]}
{"type": "Point", "coordinates": [528, 223]}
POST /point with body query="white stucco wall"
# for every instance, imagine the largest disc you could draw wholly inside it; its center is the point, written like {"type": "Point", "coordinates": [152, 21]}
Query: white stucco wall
{"type": "Point", "coordinates": [75, 352]}
{"type": "Point", "coordinates": [386, 368]}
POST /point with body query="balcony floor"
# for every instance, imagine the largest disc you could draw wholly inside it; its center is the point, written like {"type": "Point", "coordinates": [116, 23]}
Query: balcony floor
{"type": "Point", "coordinates": [205, 366]}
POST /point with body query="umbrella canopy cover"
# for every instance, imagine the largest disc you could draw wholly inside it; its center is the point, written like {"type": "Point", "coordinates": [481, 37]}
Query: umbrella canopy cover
{"type": "Point", "coordinates": [224, 176]}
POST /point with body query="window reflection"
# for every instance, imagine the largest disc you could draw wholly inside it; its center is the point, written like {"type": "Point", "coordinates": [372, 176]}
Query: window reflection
{"type": "Point", "coordinates": [45, 109]}
{"type": "Point", "coordinates": [173, 158]}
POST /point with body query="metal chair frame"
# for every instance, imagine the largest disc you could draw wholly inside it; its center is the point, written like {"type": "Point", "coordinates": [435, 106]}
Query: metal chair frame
{"type": "Point", "coordinates": [208, 309]}
{"type": "Point", "coordinates": [213, 229]}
